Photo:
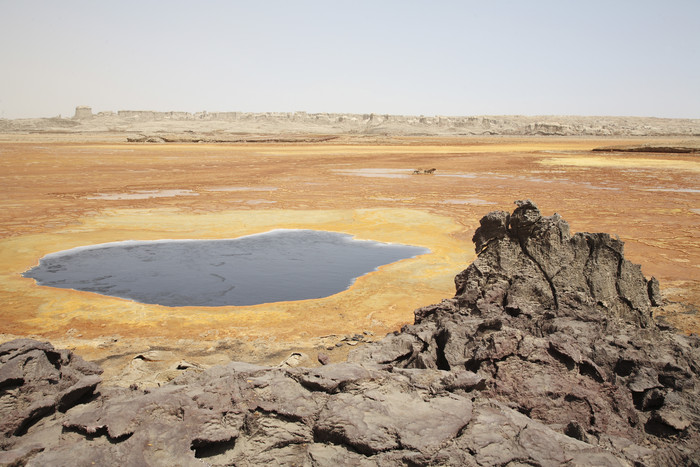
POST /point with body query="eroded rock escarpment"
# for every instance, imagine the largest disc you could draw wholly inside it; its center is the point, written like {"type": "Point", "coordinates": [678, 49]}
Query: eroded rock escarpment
{"type": "Point", "coordinates": [548, 355]}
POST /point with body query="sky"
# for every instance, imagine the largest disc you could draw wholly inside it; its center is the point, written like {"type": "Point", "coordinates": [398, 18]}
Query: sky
{"type": "Point", "coordinates": [438, 57]}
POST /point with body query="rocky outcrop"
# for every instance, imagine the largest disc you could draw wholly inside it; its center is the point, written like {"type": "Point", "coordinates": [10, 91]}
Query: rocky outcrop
{"type": "Point", "coordinates": [549, 354]}
{"type": "Point", "coordinates": [342, 414]}
{"type": "Point", "coordinates": [38, 382]}
{"type": "Point", "coordinates": [560, 328]}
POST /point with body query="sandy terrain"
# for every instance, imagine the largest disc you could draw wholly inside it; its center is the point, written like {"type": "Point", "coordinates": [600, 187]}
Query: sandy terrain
{"type": "Point", "coordinates": [58, 193]}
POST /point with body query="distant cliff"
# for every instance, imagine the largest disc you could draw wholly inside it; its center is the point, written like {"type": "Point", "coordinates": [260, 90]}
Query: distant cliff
{"type": "Point", "coordinates": [135, 121]}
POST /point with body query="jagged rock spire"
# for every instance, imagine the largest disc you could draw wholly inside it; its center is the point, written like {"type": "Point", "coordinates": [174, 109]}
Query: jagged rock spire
{"type": "Point", "coordinates": [532, 264]}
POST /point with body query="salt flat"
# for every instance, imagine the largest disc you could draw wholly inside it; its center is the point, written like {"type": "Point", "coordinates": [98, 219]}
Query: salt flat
{"type": "Point", "coordinates": [60, 193]}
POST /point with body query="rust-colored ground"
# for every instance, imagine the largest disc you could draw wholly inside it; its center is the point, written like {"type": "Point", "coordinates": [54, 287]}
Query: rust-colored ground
{"type": "Point", "coordinates": [58, 194]}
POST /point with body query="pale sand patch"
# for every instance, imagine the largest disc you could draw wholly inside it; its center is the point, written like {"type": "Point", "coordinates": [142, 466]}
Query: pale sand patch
{"type": "Point", "coordinates": [259, 201]}
{"type": "Point", "coordinates": [474, 201]}
{"type": "Point", "coordinates": [458, 175]}
{"type": "Point", "coordinates": [675, 190]}
{"type": "Point", "coordinates": [142, 194]}
{"type": "Point", "coordinates": [381, 173]}
{"type": "Point", "coordinates": [624, 162]}
{"type": "Point", "coordinates": [242, 188]}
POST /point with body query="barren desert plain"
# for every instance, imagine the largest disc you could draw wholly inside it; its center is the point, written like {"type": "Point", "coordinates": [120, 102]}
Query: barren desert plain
{"type": "Point", "coordinates": [60, 191]}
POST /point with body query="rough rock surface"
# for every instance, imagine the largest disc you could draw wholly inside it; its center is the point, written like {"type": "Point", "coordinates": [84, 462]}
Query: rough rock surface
{"type": "Point", "coordinates": [38, 382]}
{"type": "Point", "coordinates": [548, 355]}
{"type": "Point", "coordinates": [560, 328]}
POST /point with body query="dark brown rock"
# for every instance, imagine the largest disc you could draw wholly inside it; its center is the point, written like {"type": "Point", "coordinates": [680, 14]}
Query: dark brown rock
{"type": "Point", "coordinates": [36, 379]}
{"type": "Point", "coordinates": [560, 328]}
{"type": "Point", "coordinates": [323, 358]}
{"type": "Point", "coordinates": [493, 226]}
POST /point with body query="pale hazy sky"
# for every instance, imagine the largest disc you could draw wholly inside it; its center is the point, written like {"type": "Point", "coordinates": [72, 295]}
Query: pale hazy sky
{"type": "Point", "coordinates": [529, 57]}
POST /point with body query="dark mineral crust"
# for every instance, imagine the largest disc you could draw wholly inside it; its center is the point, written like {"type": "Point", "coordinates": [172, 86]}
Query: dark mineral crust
{"type": "Point", "coordinates": [549, 354]}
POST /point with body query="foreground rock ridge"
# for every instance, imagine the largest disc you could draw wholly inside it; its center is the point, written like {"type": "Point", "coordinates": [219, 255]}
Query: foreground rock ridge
{"type": "Point", "coordinates": [548, 354]}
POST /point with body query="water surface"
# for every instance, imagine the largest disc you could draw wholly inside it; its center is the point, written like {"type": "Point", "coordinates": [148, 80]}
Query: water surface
{"type": "Point", "coordinates": [281, 265]}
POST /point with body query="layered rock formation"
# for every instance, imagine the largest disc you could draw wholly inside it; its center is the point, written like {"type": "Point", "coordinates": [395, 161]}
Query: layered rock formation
{"type": "Point", "coordinates": [549, 354]}
{"type": "Point", "coordinates": [230, 126]}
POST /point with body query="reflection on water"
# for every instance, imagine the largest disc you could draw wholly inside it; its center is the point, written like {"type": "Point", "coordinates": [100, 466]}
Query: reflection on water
{"type": "Point", "coordinates": [281, 265]}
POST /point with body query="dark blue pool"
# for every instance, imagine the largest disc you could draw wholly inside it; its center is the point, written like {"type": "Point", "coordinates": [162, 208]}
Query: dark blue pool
{"type": "Point", "coordinates": [281, 265]}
